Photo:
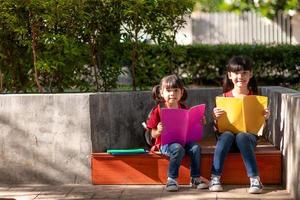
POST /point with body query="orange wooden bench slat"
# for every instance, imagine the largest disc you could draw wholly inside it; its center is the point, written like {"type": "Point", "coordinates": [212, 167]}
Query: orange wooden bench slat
{"type": "Point", "coordinates": [152, 168]}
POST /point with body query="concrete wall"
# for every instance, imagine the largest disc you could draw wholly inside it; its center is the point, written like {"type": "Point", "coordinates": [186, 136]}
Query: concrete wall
{"type": "Point", "coordinates": [283, 131]}
{"type": "Point", "coordinates": [49, 138]}
{"type": "Point", "coordinates": [291, 142]}
{"type": "Point", "coordinates": [45, 138]}
{"type": "Point", "coordinates": [116, 118]}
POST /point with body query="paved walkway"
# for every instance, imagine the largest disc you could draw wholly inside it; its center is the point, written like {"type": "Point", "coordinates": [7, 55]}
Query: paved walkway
{"type": "Point", "coordinates": [133, 192]}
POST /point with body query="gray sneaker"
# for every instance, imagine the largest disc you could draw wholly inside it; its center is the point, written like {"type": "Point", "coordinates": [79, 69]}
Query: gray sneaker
{"type": "Point", "coordinates": [215, 184]}
{"type": "Point", "coordinates": [172, 185]}
{"type": "Point", "coordinates": [198, 183]}
{"type": "Point", "coordinates": [256, 186]}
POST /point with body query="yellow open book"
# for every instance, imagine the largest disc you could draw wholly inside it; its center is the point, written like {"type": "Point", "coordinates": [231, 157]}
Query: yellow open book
{"type": "Point", "coordinates": [242, 114]}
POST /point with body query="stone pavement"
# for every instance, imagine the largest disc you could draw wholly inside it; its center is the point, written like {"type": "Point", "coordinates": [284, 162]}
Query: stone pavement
{"type": "Point", "coordinates": [134, 192]}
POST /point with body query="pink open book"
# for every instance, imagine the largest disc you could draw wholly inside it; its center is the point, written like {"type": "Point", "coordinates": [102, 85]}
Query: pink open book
{"type": "Point", "coordinates": [181, 125]}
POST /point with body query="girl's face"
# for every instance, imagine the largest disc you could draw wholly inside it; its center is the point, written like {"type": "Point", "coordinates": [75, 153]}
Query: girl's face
{"type": "Point", "coordinates": [240, 79]}
{"type": "Point", "coordinates": [171, 95]}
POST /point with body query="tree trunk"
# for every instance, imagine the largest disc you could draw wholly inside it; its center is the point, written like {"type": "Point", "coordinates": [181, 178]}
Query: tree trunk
{"type": "Point", "coordinates": [1, 81]}
{"type": "Point", "coordinates": [94, 62]}
{"type": "Point", "coordinates": [33, 46]}
{"type": "Point", "coordinates": [133, 67]}
{"type": "Point", "coordinates": [134, 58]}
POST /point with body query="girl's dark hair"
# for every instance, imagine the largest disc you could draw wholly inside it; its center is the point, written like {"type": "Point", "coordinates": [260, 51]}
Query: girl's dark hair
{"type": "Point", "coordinates": [235, 64]}
{"type": "Point", "coordinates": [171, 81]}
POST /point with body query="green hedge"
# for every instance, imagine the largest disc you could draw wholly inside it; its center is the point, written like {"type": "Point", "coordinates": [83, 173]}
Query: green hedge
{"type": "Point", "coordinates": [196, 64]}
{"type": "Point", "coordinates": [206, 64]}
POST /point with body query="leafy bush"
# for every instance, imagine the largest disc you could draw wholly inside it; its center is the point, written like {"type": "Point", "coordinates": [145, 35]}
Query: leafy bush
{"type": "Point", "coordinates": [206, 64]}
{"type": "Point", "coordinates": [56, 46]}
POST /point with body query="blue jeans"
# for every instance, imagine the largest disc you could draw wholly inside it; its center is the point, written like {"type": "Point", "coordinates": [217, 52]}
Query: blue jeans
{"type": "Point", "coordinates": [243, 142]}
{"type": "Point", "coordinates": [176, 153]}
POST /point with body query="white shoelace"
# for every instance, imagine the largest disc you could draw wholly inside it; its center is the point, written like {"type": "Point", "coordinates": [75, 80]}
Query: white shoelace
{"type": "Point", "coordinates": [215, 180]}
{"type": "Point", "coordinates": [255, 182]}
{"type": "Point", "coordinates": [197, 180]}
{"type": "Point", "coordinates": [172, 181]}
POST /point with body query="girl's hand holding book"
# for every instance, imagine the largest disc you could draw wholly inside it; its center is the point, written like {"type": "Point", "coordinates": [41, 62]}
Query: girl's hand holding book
{"type": "Point", "coordinates": [160, 127]}
{"type": "Point", "coordinates": [157, 132]}
{"type": "Point", "coordinates": [266, 113]}
{"type": "Point", "coordinates": [217, 112]}
{"type": "Point", "coordinates": [203, 120]}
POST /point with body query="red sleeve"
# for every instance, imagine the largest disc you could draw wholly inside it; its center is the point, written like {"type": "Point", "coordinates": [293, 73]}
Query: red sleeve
{"type": "Point", "coordinates": [228, 94]}
{"type": "Point", "coordinates": [154, 118]}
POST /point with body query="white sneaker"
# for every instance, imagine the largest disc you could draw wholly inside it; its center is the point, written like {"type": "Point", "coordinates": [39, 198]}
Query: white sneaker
{"type": "Point", "coordinates": [198, 183]}
{"type": "Point", "coordinates": [256, 186]}
{"type": "Point", "coordinates": [215, 184]}
{"type": "Point", "coordinates": [172, 185]}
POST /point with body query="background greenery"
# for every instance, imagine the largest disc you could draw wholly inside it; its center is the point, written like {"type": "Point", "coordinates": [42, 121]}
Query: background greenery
{"type": "Point", "coordinates": [70, 45]}
{"type": "Point", "coordinates": [266, 8]}
{"type": "Point", "coordinates": [59, 45]}
{"type": "Point", "coordinates": [206, 64]}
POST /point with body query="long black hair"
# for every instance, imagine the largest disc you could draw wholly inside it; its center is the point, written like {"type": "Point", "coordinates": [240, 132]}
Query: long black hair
{"type": "Point", "coordinates": [235, 64]}
{"type": "Point", "coordinates": [171, 81]}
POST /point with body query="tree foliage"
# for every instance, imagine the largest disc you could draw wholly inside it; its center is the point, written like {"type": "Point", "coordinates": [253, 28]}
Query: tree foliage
{"type": "Point", "coordinates": [154, 20]}
{"type": "Point", "coordinates": [59, 45]}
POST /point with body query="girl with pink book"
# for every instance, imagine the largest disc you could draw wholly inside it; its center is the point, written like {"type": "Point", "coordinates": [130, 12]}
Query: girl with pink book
{"type": "Point", "coordinates": [171, 94]}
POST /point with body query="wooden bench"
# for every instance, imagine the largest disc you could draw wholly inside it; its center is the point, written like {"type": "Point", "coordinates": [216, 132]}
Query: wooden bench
{"type": "Point", "coordinates": [152, 168]}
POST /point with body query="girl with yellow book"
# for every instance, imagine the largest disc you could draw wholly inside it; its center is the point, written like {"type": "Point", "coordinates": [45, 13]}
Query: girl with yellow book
{"type": "Point", "coordinates": [239, 82]}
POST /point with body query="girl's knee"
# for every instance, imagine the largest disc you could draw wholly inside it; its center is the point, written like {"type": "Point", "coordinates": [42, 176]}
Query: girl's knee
{"type": "Point", "coordinates": [228, 134]}
{"type": "Point", "coordinates": [245, 137]}
{"type": "Point", "coordinates": [245, 140]}
{"type": "Point", "coordinates": [227, 137]}
{"type": "Point", "coordinates": [176, 147]}
{"type": "Point", "coordinates": [196, 148]}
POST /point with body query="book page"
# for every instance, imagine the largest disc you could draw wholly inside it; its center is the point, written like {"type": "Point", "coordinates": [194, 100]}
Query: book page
{"type": "Point", "coordinates": [254, 112]}
{"type": "Point", "coordinates": [181, 125]}
{"type": "Point", "coordinates": [242, 114]}
{"type": "Point", "coordinates": [174, 125]}
{"type": "Point", "coordinates": [233, 119]}
{"type": "Point", "coordinates": [195, 126]}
